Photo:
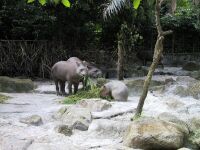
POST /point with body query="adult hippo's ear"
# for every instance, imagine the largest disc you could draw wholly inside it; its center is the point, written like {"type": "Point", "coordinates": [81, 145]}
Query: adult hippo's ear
{"type": "Point", "coordinates": [78, 64]}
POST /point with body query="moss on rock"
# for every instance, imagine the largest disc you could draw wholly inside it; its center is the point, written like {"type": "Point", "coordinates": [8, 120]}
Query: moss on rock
{"type": "Point", "coordinates": [10, 85]}
{"type": "Point", "coordinates": [3, 98]}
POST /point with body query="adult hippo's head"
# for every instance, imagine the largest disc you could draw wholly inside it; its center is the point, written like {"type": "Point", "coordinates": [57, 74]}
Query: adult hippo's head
{"type": "Point", "coordinates": [93, 71]}
{"type": "Point", "coordinates": [81, 70]}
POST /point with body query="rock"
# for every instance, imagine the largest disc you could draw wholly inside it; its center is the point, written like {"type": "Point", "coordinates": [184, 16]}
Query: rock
{"type": "Point", "coordinates": [60, 112]}
{"type": "Point", "coordinates": [32, 120]}
{"type": "Point", "coordinates": [75, 117]}
{"type": "Point", "coordinates": [184, 148]}
{"type": "Point", "coordinates": [186, 79]}
{"type": "Point", "coordinates": [191, 66]}
{"type": "Point", "coordinates": [192, 90]}
{"type": "Point", "coordinates": [115, 147]}
{"type": "Point", "coordinates": [194, 74]}
{"type": "Point", "coordinates": [94, 104]}
{"type": "Point", "coordinates": [150, 133]}
{"type": "Point", "coordinates": [14, 143]}
{"type": "Point", "coordinates": [136, 86]}
{"type": "Point", "coordinates": [53, 146]}
{"type": "Point", "coordinates": [108, 128]}
{"type": "Point", "coordinates": [138, 71]}
{"type": "Point", "coordinates": [63, 129]}
{"type": "Point", "coordinates": [12, 85]}
{"type": "Point", "coordinates": [174, 103]}
{"type": "Point", "coordinates": [181, 91]}
{"type": "Point", "coordinates": [171, 118]}
{"type": "Point", "coordinates": [169, 81]}
{"type": "Point", "coordinates": [194, 124]}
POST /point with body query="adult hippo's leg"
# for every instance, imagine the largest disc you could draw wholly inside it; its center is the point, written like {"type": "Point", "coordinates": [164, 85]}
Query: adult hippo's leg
{"type": "Point", "coordinates": [63, 88]}
{"type": "Point", "coordinates": [75, 87]}
{"type": "Point", "coordinates": [57, 87]}
{"type": "Point", "coordinates": [70, 87]}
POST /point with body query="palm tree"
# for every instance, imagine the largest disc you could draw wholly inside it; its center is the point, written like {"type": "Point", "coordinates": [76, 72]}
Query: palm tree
{"type": "Point", "coordinates": [116, 5]}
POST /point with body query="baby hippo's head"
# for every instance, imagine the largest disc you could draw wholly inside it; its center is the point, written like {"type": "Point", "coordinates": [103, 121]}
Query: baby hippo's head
{"type": "Point", "coordinates": [104, 92]}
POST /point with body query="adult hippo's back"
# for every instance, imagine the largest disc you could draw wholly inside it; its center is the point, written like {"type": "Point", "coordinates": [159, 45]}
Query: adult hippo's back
{"type": "Point", "coordinates": [73, 70]}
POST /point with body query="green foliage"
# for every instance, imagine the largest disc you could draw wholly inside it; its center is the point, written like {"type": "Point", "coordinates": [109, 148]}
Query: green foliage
{"type": "Point", "coordinates": [129, 36]}
{"type": "Point", "coordinates": [3, 98]}
{"type": "Point", "coordinates": [101, 82]}
{"type": "Point", "coordinates": [114, 6]}
{"type": "Point", "coordinates": [81, 94]}
{"type": "Point", "coordinates": [42, 2]}
{"type": "Point", "coordinates": [187, 17]}
{"type": "Point", "coordinates": [195, 138]}
{"type": "Point", "coordinates": [91, 91]}
{"type": "Point", "coordinates": [29, 21]}
{"type": "Point", "coordinates": [66, 3]}
{"type": "Point", "coordinates": [136, 3]}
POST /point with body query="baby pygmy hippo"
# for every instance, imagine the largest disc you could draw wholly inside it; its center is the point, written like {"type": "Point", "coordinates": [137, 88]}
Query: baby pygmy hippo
{"type": "Point", "coordinates": [116, 90]}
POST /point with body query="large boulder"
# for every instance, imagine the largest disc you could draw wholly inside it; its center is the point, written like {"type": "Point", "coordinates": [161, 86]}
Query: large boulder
{"type": "Point", "coordinates": [165, 116]}
{"type": "Point", "coordinates": [136, 86]}
{"type": "Point", "coordinates": [74, 117]}
{"type": "Point", "coordinates": [174, 103]}
{"type": "Point", "coordinates": [108, 128]}
{"type": "Point", "coordinates": [94, 104]}
{"type": "Point", "coordinates": [191, 66]}
{"type": "Point", "coordinates": [32, 120]}
{"type": "Point", "coordinates": [137, 71]}
{"type": "Point", "coordinates": [194, 74]}
{"type": "Point", "coordinates": [194, 123]}
{"type": "Point", "coordinates": [150, 133]}
{"type": "Point", "coordinates": [10, 85]}
{"type": "Point", "coordinates": [192, 90]}
{"type": "Point", "coordinates": [14, 143]}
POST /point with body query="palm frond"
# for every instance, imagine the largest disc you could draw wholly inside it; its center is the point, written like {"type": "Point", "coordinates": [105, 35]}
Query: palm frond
{"type": "Point", "coordinates": [113, 7]}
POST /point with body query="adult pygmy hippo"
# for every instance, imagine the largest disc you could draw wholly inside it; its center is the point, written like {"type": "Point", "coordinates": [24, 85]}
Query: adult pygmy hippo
{"type": "Point", "coordinates": [116, 90]}
{"type": "Point", "coordinates": [93, 71]}
{"type": "Point", "coordinates": [73, 70]}
{"type": "Point", "coordinates": [146, 56]}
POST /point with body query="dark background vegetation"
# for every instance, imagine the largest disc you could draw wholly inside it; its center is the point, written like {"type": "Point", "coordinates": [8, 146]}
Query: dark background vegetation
{"type": "Point", "coordinates": [34, 37]}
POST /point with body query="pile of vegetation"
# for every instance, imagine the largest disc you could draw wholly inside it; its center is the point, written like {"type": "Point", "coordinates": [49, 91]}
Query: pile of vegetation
{"type": "Point", "coordinates": [82, 94]}
{"type": "Point", "coordinates": [3, 98]}
{"type": "Point", "coordinates": [91, 90]}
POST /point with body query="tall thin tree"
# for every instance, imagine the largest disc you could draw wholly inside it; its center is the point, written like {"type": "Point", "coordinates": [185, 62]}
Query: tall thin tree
{"type": "Point", "coordinates": [158, 50]}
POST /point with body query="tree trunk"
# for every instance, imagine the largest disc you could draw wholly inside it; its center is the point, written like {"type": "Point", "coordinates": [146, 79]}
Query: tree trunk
{"type": "Point", "coordinates": [120, 64]}
{"type": "Point", "coordinates": [158, 49]}
{"type": "Point", "coordinates": [196, 2]}
{"type": "Point", "coordinates": [173, 6]}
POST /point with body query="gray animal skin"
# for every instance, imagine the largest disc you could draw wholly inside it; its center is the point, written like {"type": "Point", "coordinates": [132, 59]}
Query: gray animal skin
{"type": "Point", "coordinates": [93, 71]}
{"type": "Point", "coordinates": [146, 56]}
{"type": "Point", "coordinates": [73, 70]}
{"type": "Point", "coordinates": [116, 90]}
